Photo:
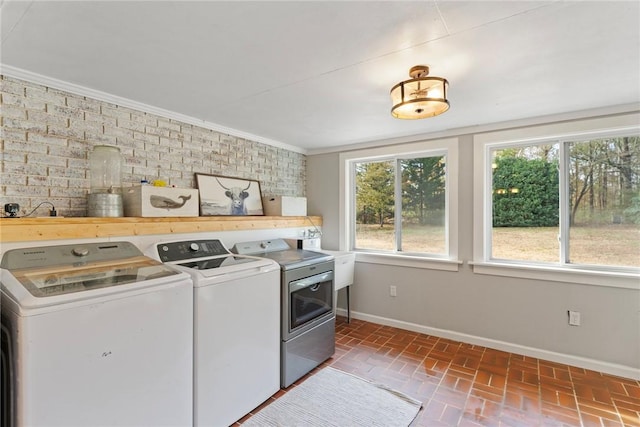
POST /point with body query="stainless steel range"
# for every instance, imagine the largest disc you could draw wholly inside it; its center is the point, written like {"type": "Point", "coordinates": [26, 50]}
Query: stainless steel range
{"type": "Point", "coordinates": [307, 311]}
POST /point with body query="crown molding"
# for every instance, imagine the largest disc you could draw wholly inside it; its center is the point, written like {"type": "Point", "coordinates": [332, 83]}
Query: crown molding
{"type": "Point", "coordinates": [75, 89]}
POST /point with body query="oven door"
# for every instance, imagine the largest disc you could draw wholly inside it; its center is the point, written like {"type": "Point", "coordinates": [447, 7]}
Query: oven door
{"type": "Point", "coordinates": [310, 302]}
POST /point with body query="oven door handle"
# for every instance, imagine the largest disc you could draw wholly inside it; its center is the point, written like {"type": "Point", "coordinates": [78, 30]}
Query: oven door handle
{"type": "Point", "coordinates": [310, 281]}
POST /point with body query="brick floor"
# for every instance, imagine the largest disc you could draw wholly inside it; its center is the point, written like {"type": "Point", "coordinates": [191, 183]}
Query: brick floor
{"type": "Point", "coordinates": [467, 385]}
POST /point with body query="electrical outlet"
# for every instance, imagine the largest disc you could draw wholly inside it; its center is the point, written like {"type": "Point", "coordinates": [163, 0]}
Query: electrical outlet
{"type": "Point", "coordinates": [574, 318]}
{"type": "Point", "coordinates": [393, 291]}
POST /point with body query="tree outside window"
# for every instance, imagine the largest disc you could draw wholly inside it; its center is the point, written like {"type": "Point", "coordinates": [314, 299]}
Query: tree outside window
{"type": "Point", "coordinates": [400, 205]}
{"type": "Point", "coordinates": [568, 202]}
{"type": "Point", "coordinates": [604, 201]}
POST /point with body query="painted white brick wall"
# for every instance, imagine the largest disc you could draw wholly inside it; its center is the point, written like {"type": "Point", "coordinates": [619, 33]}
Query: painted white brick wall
{"type": "Point", "coordinates": [48, 134]}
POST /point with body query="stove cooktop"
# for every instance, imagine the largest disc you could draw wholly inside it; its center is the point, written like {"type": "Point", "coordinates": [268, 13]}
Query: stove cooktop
{"type": "Point", "coordinates": [279, 251]}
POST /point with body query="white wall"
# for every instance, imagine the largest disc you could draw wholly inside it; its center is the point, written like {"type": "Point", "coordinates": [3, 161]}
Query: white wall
{"type": "Point", "coordinates": [324, 180]}
{"type": "Point", "coordinates": [520, 315]}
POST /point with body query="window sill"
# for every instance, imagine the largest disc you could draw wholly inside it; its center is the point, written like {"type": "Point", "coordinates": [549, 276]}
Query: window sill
{"type": "Point", "coordinates": [408, 261]}
{"type": "Point", "coordinates": [559, 274]}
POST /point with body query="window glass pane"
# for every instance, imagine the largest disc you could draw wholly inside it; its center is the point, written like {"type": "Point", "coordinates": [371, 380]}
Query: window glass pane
{"type": "Point", "coordinates": [604, 201]}
{"type": "Point", "coordinates": [423, 205]}
{"type": "Point", "coordinates": [374, 205]}
{"type": "Point", "coordinates": [525, 205]}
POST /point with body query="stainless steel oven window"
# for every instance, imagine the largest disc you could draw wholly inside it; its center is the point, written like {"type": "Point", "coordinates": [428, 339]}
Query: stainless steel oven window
{"type": "Point", "coordinates": [309, 299]}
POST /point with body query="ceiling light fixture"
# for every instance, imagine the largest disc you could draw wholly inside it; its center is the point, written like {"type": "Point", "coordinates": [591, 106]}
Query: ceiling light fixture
{"type": "Point", "coordinates": [421, 96]}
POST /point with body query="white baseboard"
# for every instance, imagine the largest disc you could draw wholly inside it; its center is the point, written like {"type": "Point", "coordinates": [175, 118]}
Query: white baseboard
{"type": "Point", "coordinates": [567, 359]}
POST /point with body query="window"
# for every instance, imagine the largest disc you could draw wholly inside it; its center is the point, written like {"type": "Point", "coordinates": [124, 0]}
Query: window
{"type": "Point", "coordinates": [603, 201]}
{"type": "Point", "coordinates": [402, 203]}
{"type": "Point", "coordinates": [571, 201]}
{"type": "Point", "coordinates": [525, 203]}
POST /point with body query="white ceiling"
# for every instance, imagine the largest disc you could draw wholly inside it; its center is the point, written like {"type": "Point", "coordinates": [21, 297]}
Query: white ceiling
{"type": "Point", "coordinates": [316, 75]}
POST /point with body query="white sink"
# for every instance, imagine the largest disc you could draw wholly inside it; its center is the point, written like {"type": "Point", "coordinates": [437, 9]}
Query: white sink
{"type": "Point", "coordinates": [344, 267]}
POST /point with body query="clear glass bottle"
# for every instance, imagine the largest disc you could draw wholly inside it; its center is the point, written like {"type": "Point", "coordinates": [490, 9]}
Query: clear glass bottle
{"type": "Point", "coordinates": [105, 197]}
{"type": "Point", "coordinates": [106, 170]}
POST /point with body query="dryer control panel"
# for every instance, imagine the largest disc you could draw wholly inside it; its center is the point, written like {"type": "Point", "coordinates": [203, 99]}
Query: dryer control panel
{"type": "Point", "coordinates": [190, 249]}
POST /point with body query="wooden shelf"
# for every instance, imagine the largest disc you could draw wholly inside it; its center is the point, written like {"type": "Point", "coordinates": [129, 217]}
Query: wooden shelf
{"type": "Point", "coordinates": [30, 229]}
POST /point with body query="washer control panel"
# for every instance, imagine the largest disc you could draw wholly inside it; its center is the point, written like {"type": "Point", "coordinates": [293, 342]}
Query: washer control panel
{"type": "Point", "coordinates": [67, 255]}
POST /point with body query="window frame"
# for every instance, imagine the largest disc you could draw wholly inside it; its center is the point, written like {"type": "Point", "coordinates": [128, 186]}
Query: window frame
{"type": "Point", "coordinates": [398, 212]}
{"type": "Point", "coordinates": [560, 133]}
{"type": "Point", "coordinates": [440, 147]}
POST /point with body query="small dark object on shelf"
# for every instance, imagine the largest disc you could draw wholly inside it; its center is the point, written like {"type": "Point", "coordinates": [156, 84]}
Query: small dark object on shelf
{"type": "Point", "coordinates": [11, 209]}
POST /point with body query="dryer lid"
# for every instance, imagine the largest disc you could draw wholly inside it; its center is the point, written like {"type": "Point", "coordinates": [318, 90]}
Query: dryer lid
{"type": "Point", "coordinates": [205, 259]}
{"type": "Point", "coordinates": [218, 262]}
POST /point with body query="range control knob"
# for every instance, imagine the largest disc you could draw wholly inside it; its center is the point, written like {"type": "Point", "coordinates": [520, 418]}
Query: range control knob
{"type": "Point", "coordinates": [264, 245]}
{"type": "Point", "coordinates": [194, 247]}
{"type": "Point", "coordinates": [80, 251]}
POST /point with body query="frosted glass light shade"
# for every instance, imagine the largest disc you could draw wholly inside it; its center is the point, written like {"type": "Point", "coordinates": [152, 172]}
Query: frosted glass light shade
{"type": "Point", "coordinates": [421, 96]}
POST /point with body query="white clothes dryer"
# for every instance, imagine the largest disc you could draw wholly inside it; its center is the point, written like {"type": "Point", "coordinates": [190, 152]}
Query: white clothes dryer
{"type": "Point", "coordinates": [99, 335]}
{"type": "Point", "coordinates": [236, 327]}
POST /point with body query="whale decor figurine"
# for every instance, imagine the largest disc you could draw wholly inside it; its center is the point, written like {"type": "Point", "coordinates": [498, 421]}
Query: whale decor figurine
{"type": "Point", "coordinates": [153, 201]}
{"type": "Point", "coordinates": [167, 203]}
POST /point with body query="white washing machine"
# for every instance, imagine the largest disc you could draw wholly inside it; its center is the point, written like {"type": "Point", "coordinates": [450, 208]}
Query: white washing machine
{"type": "Point", "coordinates": [100, 336]}
{"type": "Point", "coordinates": [236, 328]}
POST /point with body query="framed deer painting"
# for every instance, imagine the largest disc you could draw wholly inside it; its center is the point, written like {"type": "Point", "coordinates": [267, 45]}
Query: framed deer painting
{"type": "Point", "coordinates": [223, 195]}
